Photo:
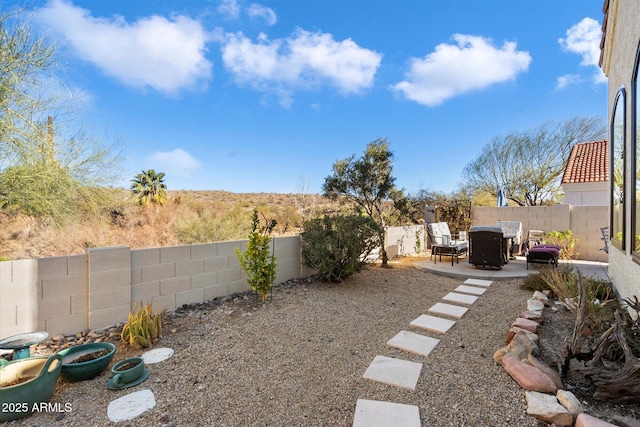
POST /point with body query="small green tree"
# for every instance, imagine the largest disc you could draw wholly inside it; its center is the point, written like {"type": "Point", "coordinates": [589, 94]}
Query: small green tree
{"type": "Point", "coordinates": [338, 246]}
{"type": "Point", "coordinates": [369, 184]}
{"type": "Point", "coordinates": [258, 260]}
{"type": "Point", "coordinates": [148, 188]}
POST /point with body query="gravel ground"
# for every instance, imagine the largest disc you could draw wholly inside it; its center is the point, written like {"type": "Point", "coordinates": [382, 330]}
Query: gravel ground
{"type": "Point", "coordinates": [299, 360]}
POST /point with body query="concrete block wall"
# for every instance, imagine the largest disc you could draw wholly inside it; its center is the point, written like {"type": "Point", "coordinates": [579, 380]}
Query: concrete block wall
{"type": "Point", "coordinates": [48, 294]}
{"type": "Point", "coordinates": [583, 221]}
{"type": "Point", "coordinates": [65, 295]}
{"type": "Point", "coordinates": [402, 240]}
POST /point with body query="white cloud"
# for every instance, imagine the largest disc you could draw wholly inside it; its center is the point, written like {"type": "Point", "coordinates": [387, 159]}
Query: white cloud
{"type": "Point", "coordinates": [166, 55]}
{"type": "Point", "coordinates": [567, 80]}
{"type": "Point", "coordinates": [177, 163]}
{"type": "Point", "coordinates": [305, 60]}
{"type": "Point", "coordinates": [472, 63]}
{"type": "Point", "coordinates": [229, 8]}
{"type": "Point", "coordinates": [584, 40]}
{"type": "Point", "coordinates": [259, 11]}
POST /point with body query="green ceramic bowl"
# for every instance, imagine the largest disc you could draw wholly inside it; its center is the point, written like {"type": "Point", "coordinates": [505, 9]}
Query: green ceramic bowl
{"type": "Point", "coordinates": [41, 375]}
{"type": "Point", "coordinates": [82, 371]}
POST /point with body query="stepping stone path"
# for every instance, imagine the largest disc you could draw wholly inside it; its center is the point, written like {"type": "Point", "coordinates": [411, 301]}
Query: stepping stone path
{"type": "Point", "coordinates": [134, 404]}
{"type": "Point", "coordinates": [404, 373]}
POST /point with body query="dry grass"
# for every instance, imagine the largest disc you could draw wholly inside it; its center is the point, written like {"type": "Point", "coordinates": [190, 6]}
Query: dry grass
{"type": "Point", "coordinates": [120, 223]}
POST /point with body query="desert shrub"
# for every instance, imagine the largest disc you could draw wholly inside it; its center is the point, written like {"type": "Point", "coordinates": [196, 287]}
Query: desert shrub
{"type": "Point", "coordinates": [568, 244]}
{"type": "Point", "coordinates": [338, 246]}
{"type": "Point", "coordinates": [143, 326]}
{"type": "Point", "coordinates": [535, 282]}
{"type": "Point", "coordinates": [563, 283]}
{"type": "Point", "coordinates": [258, 260]}
{"type": "Point", "coordinates": [208, 228]}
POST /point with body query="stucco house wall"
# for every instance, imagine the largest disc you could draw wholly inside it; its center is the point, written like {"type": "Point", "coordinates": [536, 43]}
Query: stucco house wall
{"type": "Point", "coordinates": [586, 194]}
{"type": "Point", "coordinates": [621, 39]}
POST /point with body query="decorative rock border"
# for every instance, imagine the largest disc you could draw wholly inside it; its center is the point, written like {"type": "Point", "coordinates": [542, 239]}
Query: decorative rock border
{"type": "Point", "coordinates": [545, 395]}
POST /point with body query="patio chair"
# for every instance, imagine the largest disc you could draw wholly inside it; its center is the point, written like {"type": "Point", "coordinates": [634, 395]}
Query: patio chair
{"type": "Point", "coordinates": [605, 238]}
{"type": "Point", "coordinates": [512, 228]}
{"type": "Point", "coordinates": [534, 237]}
{"type": "Point", "coordinates": [445, 243]}
{"type": "Point", "coordinates": [487, 247]}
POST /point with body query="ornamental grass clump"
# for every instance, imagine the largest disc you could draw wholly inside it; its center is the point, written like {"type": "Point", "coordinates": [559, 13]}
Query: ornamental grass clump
{"type": "Point", "coordinates": [143, 326]}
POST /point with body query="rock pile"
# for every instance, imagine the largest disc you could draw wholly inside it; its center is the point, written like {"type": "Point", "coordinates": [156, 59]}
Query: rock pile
{"type": "Point", "coordinates": [545, 395]}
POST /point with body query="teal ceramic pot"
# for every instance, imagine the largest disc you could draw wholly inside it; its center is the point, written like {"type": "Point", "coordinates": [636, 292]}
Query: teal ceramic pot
{"type": "Point", "coordinates": [85, 370]}
{"type": "Point", "coordinates": [17, 401]}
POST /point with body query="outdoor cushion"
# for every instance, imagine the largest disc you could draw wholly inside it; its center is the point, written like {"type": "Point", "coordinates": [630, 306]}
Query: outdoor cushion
{"type": "Point", "coordinates": [437, 230]}
{"type": "Point", "coordinates": [543, 254]}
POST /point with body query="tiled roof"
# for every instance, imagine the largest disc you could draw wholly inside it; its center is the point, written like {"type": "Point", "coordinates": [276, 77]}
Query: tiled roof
{"type": "Point", "coordinates": [588, 162]}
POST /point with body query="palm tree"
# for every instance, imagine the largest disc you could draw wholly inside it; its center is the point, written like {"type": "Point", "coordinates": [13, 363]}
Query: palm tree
{"type": "Point", "coordinates": [149, 188]}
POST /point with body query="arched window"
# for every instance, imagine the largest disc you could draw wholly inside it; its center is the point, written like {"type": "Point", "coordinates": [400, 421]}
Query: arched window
{"type": "Point", "coordinates": [635, 165]}
{"type": "Point", "coordinates": [617, 135]}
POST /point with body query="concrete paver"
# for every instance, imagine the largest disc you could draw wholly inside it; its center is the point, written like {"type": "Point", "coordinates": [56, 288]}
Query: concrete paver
{"type": "Point", "coordinates": [392, 371]}
{"type": "Point", "coordinates": [413, 343]}
{"type": "Point", "coordinates": [460, 298]}
{"type": "Point", "coordinates": [375, 413]}
{"type": "Point", "coordinates": [478, 282]}
{"type": "Point", "coordinates": [473, 290]}
{"type": "Point", "coordinates": [448, 310]}
{"type": "Point", "coordinates": [433, 323]}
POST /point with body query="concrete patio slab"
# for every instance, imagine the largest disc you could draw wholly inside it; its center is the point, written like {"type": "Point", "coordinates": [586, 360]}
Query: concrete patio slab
{"type": "Point", "coordinates": [375, 413]}
{"type": "Point", "coordinates": [433, 323]}
{"type": "Point", "coordinates": [460, 298]}
{"type": "Point", "coordinates": [516, 268]}
{"type": "Point", "coordinates": [473, 290]}
{"type": "Point", "coordinates": [478, 282]}
{"type": "Point", "coordinates": [413, 343]}
{"type": "Point", "coordinates": [448, 310]}
{"type": "Point", "coordinates": [395, 372]}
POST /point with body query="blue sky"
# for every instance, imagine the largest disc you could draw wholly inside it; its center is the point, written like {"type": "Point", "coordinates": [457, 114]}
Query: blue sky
{"type": "Point", "coordinates": [265, 96]}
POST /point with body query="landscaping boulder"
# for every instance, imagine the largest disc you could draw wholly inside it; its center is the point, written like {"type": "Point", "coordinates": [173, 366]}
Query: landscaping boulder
{"type": "Point", "coordinates": [535, 305]}
{"type": "Point", "coordinates": [530, 335]}
{"type": "Point", "coordinates": [528, 376]}
{"type": "Point", "coordinates": [551, 373]}
{"type": "Point", "coordinates": [546, 408]}
{"type": "Point", "coordinates": [536, 316]}
{"type": "Point", "coordinates": [585, 420]}
{"type": "Point", "coordinates": [526, 324]}
{"type": "Point", "coordinates": [520, 347]}
{"type": "Point", "coordinates": [539, 296]}
{"type": "Point", "coordinates": [569, 401]}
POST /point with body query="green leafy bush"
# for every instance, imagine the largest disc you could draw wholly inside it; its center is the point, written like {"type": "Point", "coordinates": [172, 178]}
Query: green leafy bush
{"type": "Point", "coordinates": [338, 246]}
{"type": "Point", "coordinates": [258, 260]}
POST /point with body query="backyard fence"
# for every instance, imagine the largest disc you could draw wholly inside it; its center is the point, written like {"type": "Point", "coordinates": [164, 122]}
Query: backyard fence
{"type": "Point", "coordinates": [97, 289]}
{"type": "Point", "coordinates": [583, 221]}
